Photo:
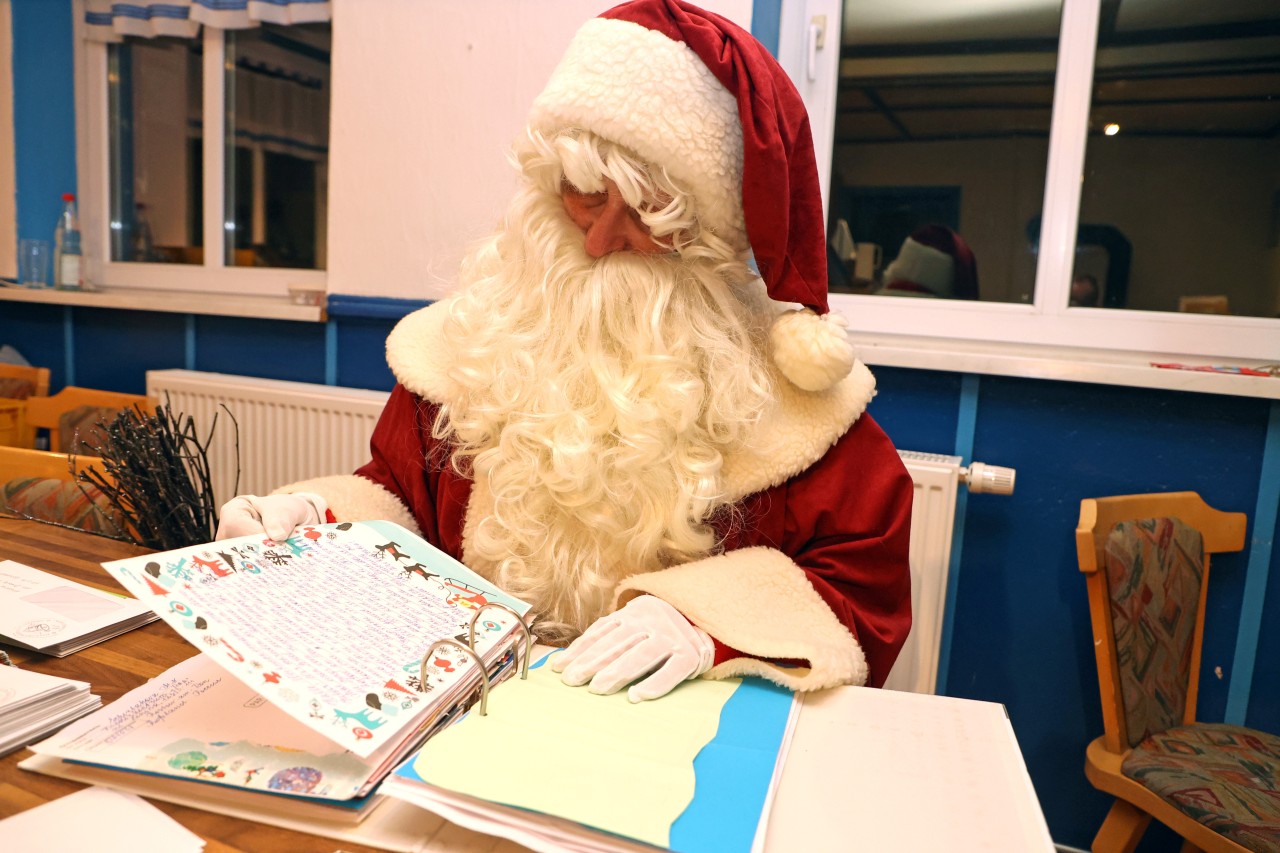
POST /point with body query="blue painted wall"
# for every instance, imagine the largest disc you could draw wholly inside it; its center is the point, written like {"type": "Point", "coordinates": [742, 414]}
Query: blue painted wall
{"type": "Point", "coordinates": [1020, 626]}
{"type": "Point", "coordinates": [43, 113]}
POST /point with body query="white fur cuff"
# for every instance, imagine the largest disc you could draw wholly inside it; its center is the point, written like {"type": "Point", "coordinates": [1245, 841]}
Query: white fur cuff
{"type": "Point", "coordinates": [758, 601]}
{"type": "Point", "coordinates": [812, 351]}
{"type": "Point", "coordinates": [353, 498]}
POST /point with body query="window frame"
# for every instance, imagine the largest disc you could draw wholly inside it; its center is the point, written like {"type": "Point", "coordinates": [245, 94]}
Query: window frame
{"type": "Point", "coordinates": [93, 145]}
{"type": "Point", "coordinates": [1048, 321]}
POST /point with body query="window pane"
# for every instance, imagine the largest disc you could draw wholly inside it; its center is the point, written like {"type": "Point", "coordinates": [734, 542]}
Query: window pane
{"type": "Point", "coordinates": [277, 89]}
{"type": "Point", "coordinates": [941, 136]}
{"type": "Point", "coordinates": [154, 96]}
{"type": "Point", "coordinates": [1180, 209]}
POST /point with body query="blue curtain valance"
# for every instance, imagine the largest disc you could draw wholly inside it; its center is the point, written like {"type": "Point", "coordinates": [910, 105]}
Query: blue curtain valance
{"type": "Point", "coordinates": [111, 21]}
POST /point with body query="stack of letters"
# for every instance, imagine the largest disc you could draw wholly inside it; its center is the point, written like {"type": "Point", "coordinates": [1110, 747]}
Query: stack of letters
{"type": "Point", "coordinates": [55, 616]}
{"type": "Point", "coordinates": [33, 704]}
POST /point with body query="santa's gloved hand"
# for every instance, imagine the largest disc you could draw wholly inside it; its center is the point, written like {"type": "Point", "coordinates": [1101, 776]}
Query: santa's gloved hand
{"type": "Point", "coordinates": [278, 516]}
{"type": "Point", "coordinates": [647, 642]}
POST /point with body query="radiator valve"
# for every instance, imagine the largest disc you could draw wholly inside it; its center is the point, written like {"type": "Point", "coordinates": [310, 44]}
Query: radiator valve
{"type": "Point", "coordinates": [989, 479]}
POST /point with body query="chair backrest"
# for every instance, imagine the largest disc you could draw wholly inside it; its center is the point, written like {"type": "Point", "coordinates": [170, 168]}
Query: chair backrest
{"type": "Point", "coordinates": [1146, 565]}
{"type": "Point", "coordinates": [42, 485]}
{"type": "Point", "coordinates": [18, 381]}
{"type": "Point", "coordinates": [74, 410]}
{"type": "Point", "coordinates": [24, 462]}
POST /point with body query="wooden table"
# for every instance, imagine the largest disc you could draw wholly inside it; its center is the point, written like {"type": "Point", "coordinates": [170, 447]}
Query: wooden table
{"type": "Point", "coordinates": [113, 668]}
{"type": "Point", "coordinates": [863, 767]}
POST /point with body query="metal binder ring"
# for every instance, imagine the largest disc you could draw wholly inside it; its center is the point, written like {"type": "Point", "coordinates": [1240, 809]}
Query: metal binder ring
{"type": "Point", "coordinates": [524, 626]}
{"type": "Point", "coordinates": [484, 676]}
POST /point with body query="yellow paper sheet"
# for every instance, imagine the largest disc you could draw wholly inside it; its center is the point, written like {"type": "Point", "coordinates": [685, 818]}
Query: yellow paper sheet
{"type": "Point", "coordinates": [597, 760]}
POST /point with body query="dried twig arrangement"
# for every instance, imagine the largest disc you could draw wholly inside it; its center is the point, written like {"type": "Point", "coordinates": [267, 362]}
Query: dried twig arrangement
{"type": "Point", "coordinates": [157, 476]}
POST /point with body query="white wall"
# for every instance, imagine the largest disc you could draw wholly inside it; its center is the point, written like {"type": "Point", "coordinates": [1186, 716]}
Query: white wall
{"type": "Point", "coordinates": [427, 97]}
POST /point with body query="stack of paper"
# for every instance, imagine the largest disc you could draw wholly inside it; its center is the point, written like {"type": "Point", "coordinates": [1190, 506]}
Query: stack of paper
{"type": "Point", "coordinates": [557, 768]}
{"type": "Point", "coordinates": [47, 614]}
{"type": "Point", "coordinates": [33, 704]}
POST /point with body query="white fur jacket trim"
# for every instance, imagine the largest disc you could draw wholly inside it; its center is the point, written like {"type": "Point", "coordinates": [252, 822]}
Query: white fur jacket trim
{"type": "Point", "coordinates": [801, 429]}
{"type": "Point", "coordinates": [757, 601]}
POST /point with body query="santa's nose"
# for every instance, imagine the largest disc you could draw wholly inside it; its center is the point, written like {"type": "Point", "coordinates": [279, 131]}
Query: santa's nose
{"type": "Point", "coordinates": [608, 223]}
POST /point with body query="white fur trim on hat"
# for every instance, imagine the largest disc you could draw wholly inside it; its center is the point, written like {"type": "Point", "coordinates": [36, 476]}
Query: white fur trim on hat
{"type": "Point", "coordinates": [812, 351]}
{"type": "Point", "coordinates": [639, 88]}
{"type": "Point", "coordinates": [923, 265]}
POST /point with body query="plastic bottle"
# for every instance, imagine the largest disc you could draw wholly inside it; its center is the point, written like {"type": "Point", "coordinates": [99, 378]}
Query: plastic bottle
{"type": "Point", "coordinates": [68, 267]}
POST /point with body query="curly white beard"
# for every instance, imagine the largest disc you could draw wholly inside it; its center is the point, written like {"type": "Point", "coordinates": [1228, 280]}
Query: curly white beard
{"type": "Point", "coordinates": [597, 399]}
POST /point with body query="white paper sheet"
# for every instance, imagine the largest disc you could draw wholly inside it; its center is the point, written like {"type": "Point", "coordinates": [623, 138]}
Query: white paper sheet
{"type": "Point", "coordinates": [101, 820]}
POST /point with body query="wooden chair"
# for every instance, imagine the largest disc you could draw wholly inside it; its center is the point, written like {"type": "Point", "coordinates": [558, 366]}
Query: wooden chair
{"type": "Point", "coordinates": [43, 485]}
{"type": "Point", "coordinates": [82, 406]}
{"type": "Point", "coordinates": [25, 462]}
{"type": "Point", "coordinates": [20, 381]}
{"type": "Point", "coordinates": [17, 384]}
{"type": "Point", "coordinates": [1146, 565]}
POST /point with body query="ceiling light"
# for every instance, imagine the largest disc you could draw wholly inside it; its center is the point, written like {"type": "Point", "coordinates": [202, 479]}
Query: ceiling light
{"type": "Point", "coordinates": [1111, 129]}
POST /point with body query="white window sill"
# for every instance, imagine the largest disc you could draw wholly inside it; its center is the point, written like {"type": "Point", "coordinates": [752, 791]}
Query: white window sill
{"type": "Point", "coordinates": [1105, 367]}
{"type": "Point", "coordinates": [214, 304]}
{"type": "Point", "coordinates": [1099, 366]}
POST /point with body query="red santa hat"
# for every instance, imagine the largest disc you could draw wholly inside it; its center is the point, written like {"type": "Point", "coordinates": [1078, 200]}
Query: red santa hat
{"type": "Point", "coordinates": [693, 93]}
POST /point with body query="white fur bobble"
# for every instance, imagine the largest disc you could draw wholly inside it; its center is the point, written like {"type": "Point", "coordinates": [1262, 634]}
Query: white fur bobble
{"type": "Point", "coordinates": [812, 351]}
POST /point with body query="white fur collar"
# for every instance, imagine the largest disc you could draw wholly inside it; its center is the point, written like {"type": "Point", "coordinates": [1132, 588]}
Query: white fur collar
{"type": "Point", "coordinates": [802, 429]}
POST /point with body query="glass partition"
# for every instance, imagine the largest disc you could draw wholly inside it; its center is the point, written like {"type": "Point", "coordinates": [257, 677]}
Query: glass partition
{"type": "Point", "coordinates": [1180, 209]}
{"type": "Point", "coordinates": [941, 143]}
{"type": "Point", "coordinates": [154, 89]}
{"type": "Point", "coordinates": [275, 176]}
{"type": "Point", "coordinates": [277, 156]}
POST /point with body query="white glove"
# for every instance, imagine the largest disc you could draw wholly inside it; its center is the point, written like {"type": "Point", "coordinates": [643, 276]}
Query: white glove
{"type": "Point", "coordinates": [278, 516]}
{"type": "Point", "coordinates": [647, 637]}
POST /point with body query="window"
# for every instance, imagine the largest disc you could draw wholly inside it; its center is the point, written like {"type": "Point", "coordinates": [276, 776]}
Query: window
{"type": "Point", "coordinates": [980, 122]}
{"type": "Point", "coordinates": [206, 160]}
{"type": "Point", "coordinates": [1187, 108]}
{"type": "Point", "coordinates": [942, 120]}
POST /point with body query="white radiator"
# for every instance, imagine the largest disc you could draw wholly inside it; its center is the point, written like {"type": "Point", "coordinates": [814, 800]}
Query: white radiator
{"type": "Point", "coordinates": [291, 431]}
{"type": "Point", "coordinates": [937, 481]}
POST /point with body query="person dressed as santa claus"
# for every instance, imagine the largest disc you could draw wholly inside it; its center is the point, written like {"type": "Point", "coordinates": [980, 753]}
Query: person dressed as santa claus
{"type": "Point", "coordinates": [617, 419]}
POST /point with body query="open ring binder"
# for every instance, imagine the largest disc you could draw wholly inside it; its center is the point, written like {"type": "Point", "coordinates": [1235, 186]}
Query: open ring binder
{"type": "Point", "coordinates": [484, 676]}
{"type": "Point", "coordinates": [470, 649]}
{"type": "Point", "coordinates": [524, 626]}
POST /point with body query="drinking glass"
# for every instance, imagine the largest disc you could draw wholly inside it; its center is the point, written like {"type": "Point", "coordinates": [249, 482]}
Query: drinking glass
{"type": "Point", "coordinates": [34, 262]}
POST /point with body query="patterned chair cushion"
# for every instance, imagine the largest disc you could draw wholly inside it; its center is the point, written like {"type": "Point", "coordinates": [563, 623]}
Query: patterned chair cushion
{"type": "Point", "coordinates": [78, 429]}
{"type": "Point", "coordinates": [1226, 777]}
{"type": "Point", "coordinates": [1155, 568]}
{"type": "Point", "coordinates": [62, 501]}
{"type": "Point", "coordinates": [14, 388]}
